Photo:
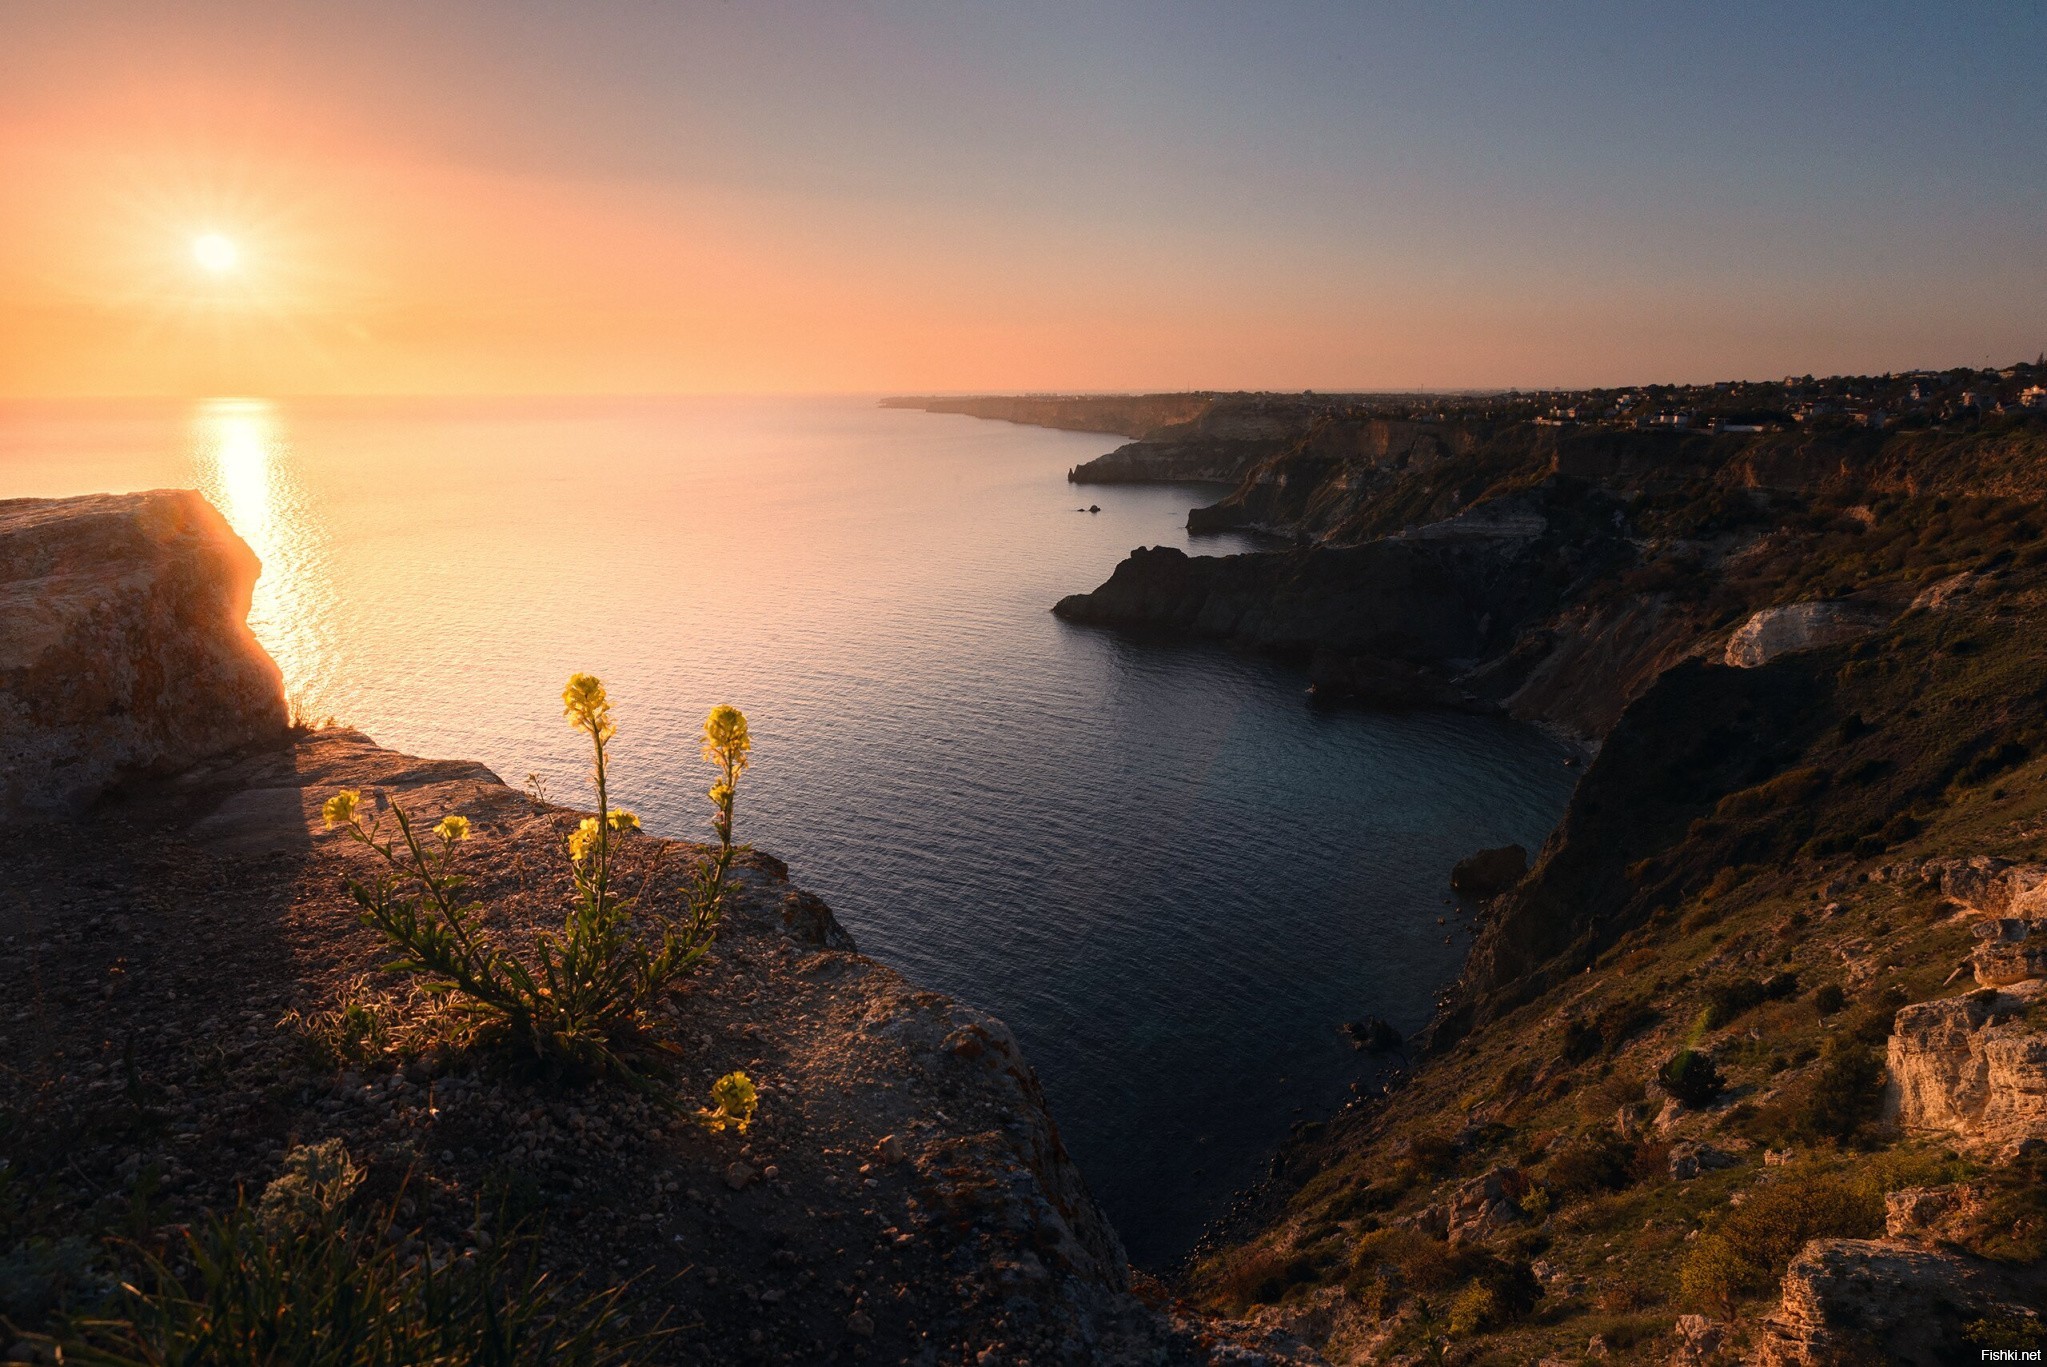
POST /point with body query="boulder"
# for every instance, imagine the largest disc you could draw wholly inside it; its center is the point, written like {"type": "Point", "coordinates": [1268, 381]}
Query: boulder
{"type": "Point", "coordinates": [124, 646]}
{"type": "Point", "coordinates": [1889, 1301]}
{"type": "Point", "coordinates": [1699, 1341]}
{"type": "Point", "coordinates": [1371, 1034]}
{"type": "Point", "coordinates": [1926, 1214]}
{"type": "Point", "coordinates": [2009, 950]}
{"type": "Point", "coordinates": [1992, 886]}
{"type": "Point", "coordinates": [1798, 626]}
{"type": "Point", "coordinates": [1484, 1205]}
{"type": "Point", "coordinates": [1490, 872]}
{"type": "Point", "coordinates": [1972, 1067]}
{"type": "Point", "coordinates": [1688, 1159]}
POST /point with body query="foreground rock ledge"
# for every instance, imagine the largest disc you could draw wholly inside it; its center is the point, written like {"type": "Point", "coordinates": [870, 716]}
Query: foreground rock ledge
{"type": "Point", "coordinates": [903, 1196]}
{"type": "Point", "coordinates": [124, 645]}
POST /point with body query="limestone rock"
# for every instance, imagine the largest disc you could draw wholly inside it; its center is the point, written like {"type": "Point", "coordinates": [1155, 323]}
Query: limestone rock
{"type": "Point", "coordinates": [124, 645]}
{"type": "Point", "coordinates": [1699, 1340]}
{"type": "Point", "coordinates": [1490, 872]}
{"type": "Point", "coordinates": [1798, 626]}
{"type": "Point", "coordinates": [1689, 1158]}
{"type": "Point", "coordinates": [2009, 950]}
{"type": "Point", "coordinates": [1924, 1213]}
{"type": "Point", "coordinates": [1992, 886]}
{"type": "Point", "coordinates": [1847, 1295]}
{"type": "Point", "coordinates": [1972, 1067]}
{"type": "Point", "coordinates": [1484, 1205]}
{"type": "Point", "coordinates": [1940, 596]}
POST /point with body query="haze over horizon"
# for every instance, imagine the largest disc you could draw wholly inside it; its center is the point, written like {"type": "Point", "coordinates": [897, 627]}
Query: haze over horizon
{"type": "Point", "coordinates": [640, 197]}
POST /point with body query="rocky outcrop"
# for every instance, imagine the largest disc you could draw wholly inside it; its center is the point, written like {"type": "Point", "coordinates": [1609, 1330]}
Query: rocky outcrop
{"type": "Point", "coordinates": [1476, 1209]}
{"type": "Point", "coordinates": [1799, 626]}
{"type": "Point", "coordinates": [1991, 886]}
{"type": "Point", "coordinates": [902, 1135]}
{"type": "Point", "coordinates": [1320, 484]}
{"type": "Point", "coordinates": [1400, 614]}
{"type": "Point", "coordinates": [2009, 950]}
{"type": "Point", "coordinates": [1890, 1301]}
{"type": "Point", "coordinates": [1973, 1067]}
{"type": "Point", "coordinates": [124, 645]}
{"type": "Point", "coordinates": [1490, 872]}
{"type": "Point", "coordinates": [1201, 460]}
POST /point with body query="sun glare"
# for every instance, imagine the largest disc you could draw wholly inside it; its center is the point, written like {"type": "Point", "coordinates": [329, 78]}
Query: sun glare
{"type": "Point", "coordinates": [215, 253]}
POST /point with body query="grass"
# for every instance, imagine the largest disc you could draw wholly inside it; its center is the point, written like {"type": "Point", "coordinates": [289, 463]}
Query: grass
{"type": "Point", "coordinates": [313, 1277]}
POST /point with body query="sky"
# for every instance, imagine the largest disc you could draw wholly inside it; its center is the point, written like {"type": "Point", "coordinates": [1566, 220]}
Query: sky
{"type": "Point", "coordinates": [854, 196]}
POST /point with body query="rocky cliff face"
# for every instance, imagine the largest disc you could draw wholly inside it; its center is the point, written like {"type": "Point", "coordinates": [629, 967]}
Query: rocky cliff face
{"type": "Point", "coordinates": [1321, 483]}
{"type": "Point", "coordinates": [1885, 1300]}
{"type": "Point", "coordinates": [1416, 617]}
{"type": "Point", "coordinates": [1972, 1068]}
{"type": "Point", "coordinates": [124, 646]}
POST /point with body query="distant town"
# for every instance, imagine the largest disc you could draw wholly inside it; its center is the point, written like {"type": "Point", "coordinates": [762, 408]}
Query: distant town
{"type": "Point", "coordinates": [1962, 397]}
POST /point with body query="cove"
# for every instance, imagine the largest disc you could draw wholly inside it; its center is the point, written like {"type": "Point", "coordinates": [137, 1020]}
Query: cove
{"type": "Point", "coordinates": [1169, 872]}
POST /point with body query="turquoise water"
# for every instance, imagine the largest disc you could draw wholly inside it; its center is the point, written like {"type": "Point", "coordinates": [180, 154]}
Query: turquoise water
{"type": "Point", "coordinates": [1169, 872]}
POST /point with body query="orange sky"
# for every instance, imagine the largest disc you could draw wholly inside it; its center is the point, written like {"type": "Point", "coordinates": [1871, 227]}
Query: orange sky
{"type": "Point", "coordinates": [676, 199]}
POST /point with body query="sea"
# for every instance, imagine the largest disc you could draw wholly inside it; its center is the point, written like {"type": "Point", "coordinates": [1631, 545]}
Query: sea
{"type": "Point", "coordinates": [1167, 868]}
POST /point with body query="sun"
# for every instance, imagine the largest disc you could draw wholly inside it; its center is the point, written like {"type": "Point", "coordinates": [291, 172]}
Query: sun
{"type": "Point", "coordinates": [215, 253]}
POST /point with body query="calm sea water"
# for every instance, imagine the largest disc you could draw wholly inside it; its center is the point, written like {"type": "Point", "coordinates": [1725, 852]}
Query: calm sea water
{"type": "Point", "coordinates": [1167, 871]}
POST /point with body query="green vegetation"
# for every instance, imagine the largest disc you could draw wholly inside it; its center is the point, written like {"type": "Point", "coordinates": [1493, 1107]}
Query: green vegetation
{"type": "Point", "coordinates": [312, 1275]}
{"type": "Point", "coordinates": [1745, 1252]}
{"type": "Point", "coordinates": [581, 1002]}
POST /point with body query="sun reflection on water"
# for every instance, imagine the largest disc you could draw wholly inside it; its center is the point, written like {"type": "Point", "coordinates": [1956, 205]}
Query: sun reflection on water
{"type": "Point", "coordinates": [245, 468]}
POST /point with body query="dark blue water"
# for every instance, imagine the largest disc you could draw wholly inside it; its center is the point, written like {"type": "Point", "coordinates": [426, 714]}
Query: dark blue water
{"type": "Point", "coordinates": [1169, 872]}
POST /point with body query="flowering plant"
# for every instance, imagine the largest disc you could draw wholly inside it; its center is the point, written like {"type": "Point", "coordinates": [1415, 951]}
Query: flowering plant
{"type": "Point", "coordinates": [583, 999]}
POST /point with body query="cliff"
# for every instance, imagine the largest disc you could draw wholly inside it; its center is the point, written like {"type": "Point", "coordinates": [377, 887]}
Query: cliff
{"type": "Point", "coordinates": [124, 649]}
{"type": "Point", "coordinates": [1709, 1089]}
{"type": "Point", "coordinates": [1596, 560]}
{"type": "Point", "coordinates": [193, 1002]}
{"type": "Point", "coordinates": [1715, 1034]}
{"type": "Point", "coordinates": [1129, 415]}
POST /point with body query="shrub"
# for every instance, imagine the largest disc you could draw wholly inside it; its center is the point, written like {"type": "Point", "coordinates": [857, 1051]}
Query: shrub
{"type": "Point", "coordinates": [1389, 1264]}
{"type": "Point", "coordinates": [582, 1001]}
{"type": "Point", "coordinates": [1263, 1276]}
{"type": "Point", "coordinates": [1725, 1001]}
{"type": "Point", "coordinates": [303, 1278]}
{"type": "Point", "coordinates": [1745, 1252]}
{"type": "Point", "coordinates": [1423, 1157]}
{"type": "Point", "coordinates": [1613, 1025]}
{"type": "Point", "coordinates": [1788, 789]}
{"type": "Point", "coordinates": [1599, 1160]}
{"type": "Point", "coordinates": [2008, 1218]}
{"type": "Point", "coordinates": [1691, 1077]}
{"type": "Point", "coordinates": [1829, 999]}
{"type": "Point", "coordinates": [1845, 1092]}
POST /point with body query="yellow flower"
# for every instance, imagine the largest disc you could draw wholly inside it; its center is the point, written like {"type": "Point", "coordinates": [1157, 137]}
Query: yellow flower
{"type": "Point", "coordinates": [623, 820]}
{"type": "Point", "coordinates": [453, 828]}
{"type": "Point", "coordinates": [735, 1100]}
{"type": "Point", "coordinates": [721, 793]}
{"type": "Point", "coordinates": [585, 705]}
{"type": "Point", "coordinates": [342, 808]}
{"type": "Point", "coordinates": [725, 737]}
{"type": "Point", "coordinates": [583, 839]}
